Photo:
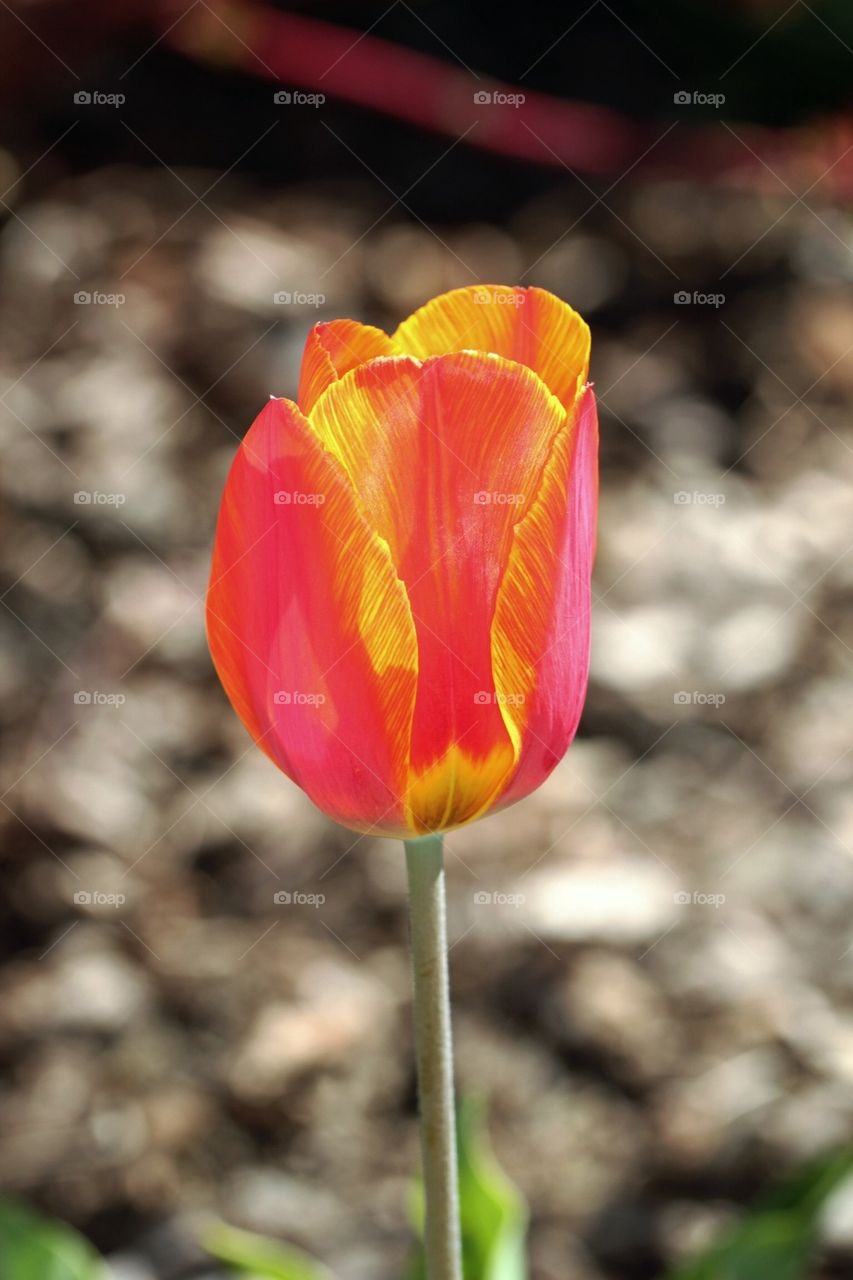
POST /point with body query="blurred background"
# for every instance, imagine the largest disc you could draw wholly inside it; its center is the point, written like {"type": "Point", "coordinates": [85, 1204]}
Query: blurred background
{"type": "Point", "coordinates": [652, 958]}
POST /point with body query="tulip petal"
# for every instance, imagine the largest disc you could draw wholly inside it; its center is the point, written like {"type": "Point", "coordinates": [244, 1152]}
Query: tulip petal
{"type": "Point", "coordinates": [309, 626]}
{"type": "Point", "coordinates": [529, 326]}
{"type": "Point", "coordinates": [332, 348]}
{"type": "Point", "coordinates": [446, 457]}
{"type": "Point", "coordinates": [541, 629]}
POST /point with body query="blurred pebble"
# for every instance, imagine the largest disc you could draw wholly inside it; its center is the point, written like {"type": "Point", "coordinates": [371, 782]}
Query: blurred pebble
{"type": "Point", "coordinates": [608, 1002]}
{"type": "Point", "coordinates": [626, 899]}
{"type": "Point", "coordinates": [337, 1010]}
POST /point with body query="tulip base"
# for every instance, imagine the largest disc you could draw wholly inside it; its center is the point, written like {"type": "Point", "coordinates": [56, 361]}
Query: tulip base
{"type": "Point", "coordinates": [433, 1045]}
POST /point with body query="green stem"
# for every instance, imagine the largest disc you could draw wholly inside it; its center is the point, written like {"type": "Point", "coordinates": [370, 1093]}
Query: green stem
{"type": "Point", "coordinates": [434, 1056]}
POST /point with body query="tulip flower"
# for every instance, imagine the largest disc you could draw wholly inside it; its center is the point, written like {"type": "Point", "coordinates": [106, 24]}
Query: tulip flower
{"type": "Point", "coordinates": [400, 594]}
{"type": "Point", "coordinates": [399, 602]}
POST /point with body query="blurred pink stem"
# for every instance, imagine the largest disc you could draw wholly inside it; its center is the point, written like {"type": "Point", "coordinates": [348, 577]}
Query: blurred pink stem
{"type": "Point", "coordinates": [512, 120]}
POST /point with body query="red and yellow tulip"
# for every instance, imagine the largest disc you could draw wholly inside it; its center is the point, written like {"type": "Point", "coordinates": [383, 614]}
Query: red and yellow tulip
{"type": "Point", "coordinates": [400, 594]}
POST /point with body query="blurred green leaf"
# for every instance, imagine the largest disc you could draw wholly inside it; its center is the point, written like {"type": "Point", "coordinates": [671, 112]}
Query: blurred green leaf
{"type": "Point", "coordinates": [260, 1258]}
{"type": "Point", "coordinates": [777, 1239]}
{"type": "Point", "coordinates": [36, 1248]}
{"type": "Point", "coordinates": [492, 1212]}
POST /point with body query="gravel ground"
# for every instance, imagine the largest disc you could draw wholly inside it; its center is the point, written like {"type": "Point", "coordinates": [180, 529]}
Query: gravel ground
{"type": "Point", "coordinates": [661, 1024]}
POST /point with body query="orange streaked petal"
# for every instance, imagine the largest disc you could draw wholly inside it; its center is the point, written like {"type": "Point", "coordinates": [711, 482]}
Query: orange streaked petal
{"type": "Point", "coordinates": [458, 787]}
{"type": "Point", "coordinates": [541, 629]}
{"type": "Point", "coordinates": [309, 626]}
{"type": "Point", "coordinates": [529, 326]}
{"type": "Point", "coordinates": [332, 348]}
{"type": "Point", "coordinates": [446, 458]}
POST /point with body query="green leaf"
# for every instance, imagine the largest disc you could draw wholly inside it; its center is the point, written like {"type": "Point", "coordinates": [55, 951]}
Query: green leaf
{"type": "Point", "coordinates": [778, 1239]}
{"type": "Point", "coordinates": [492, 1211]}
{"type": "Point", "coordinates": [36, 1248]}
{"type": "Point", "coordinates": [256, 1256]}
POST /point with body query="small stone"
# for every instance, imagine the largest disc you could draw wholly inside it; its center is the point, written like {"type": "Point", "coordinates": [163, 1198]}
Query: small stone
{"type": "Point", "coordinates": [623, 900]}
